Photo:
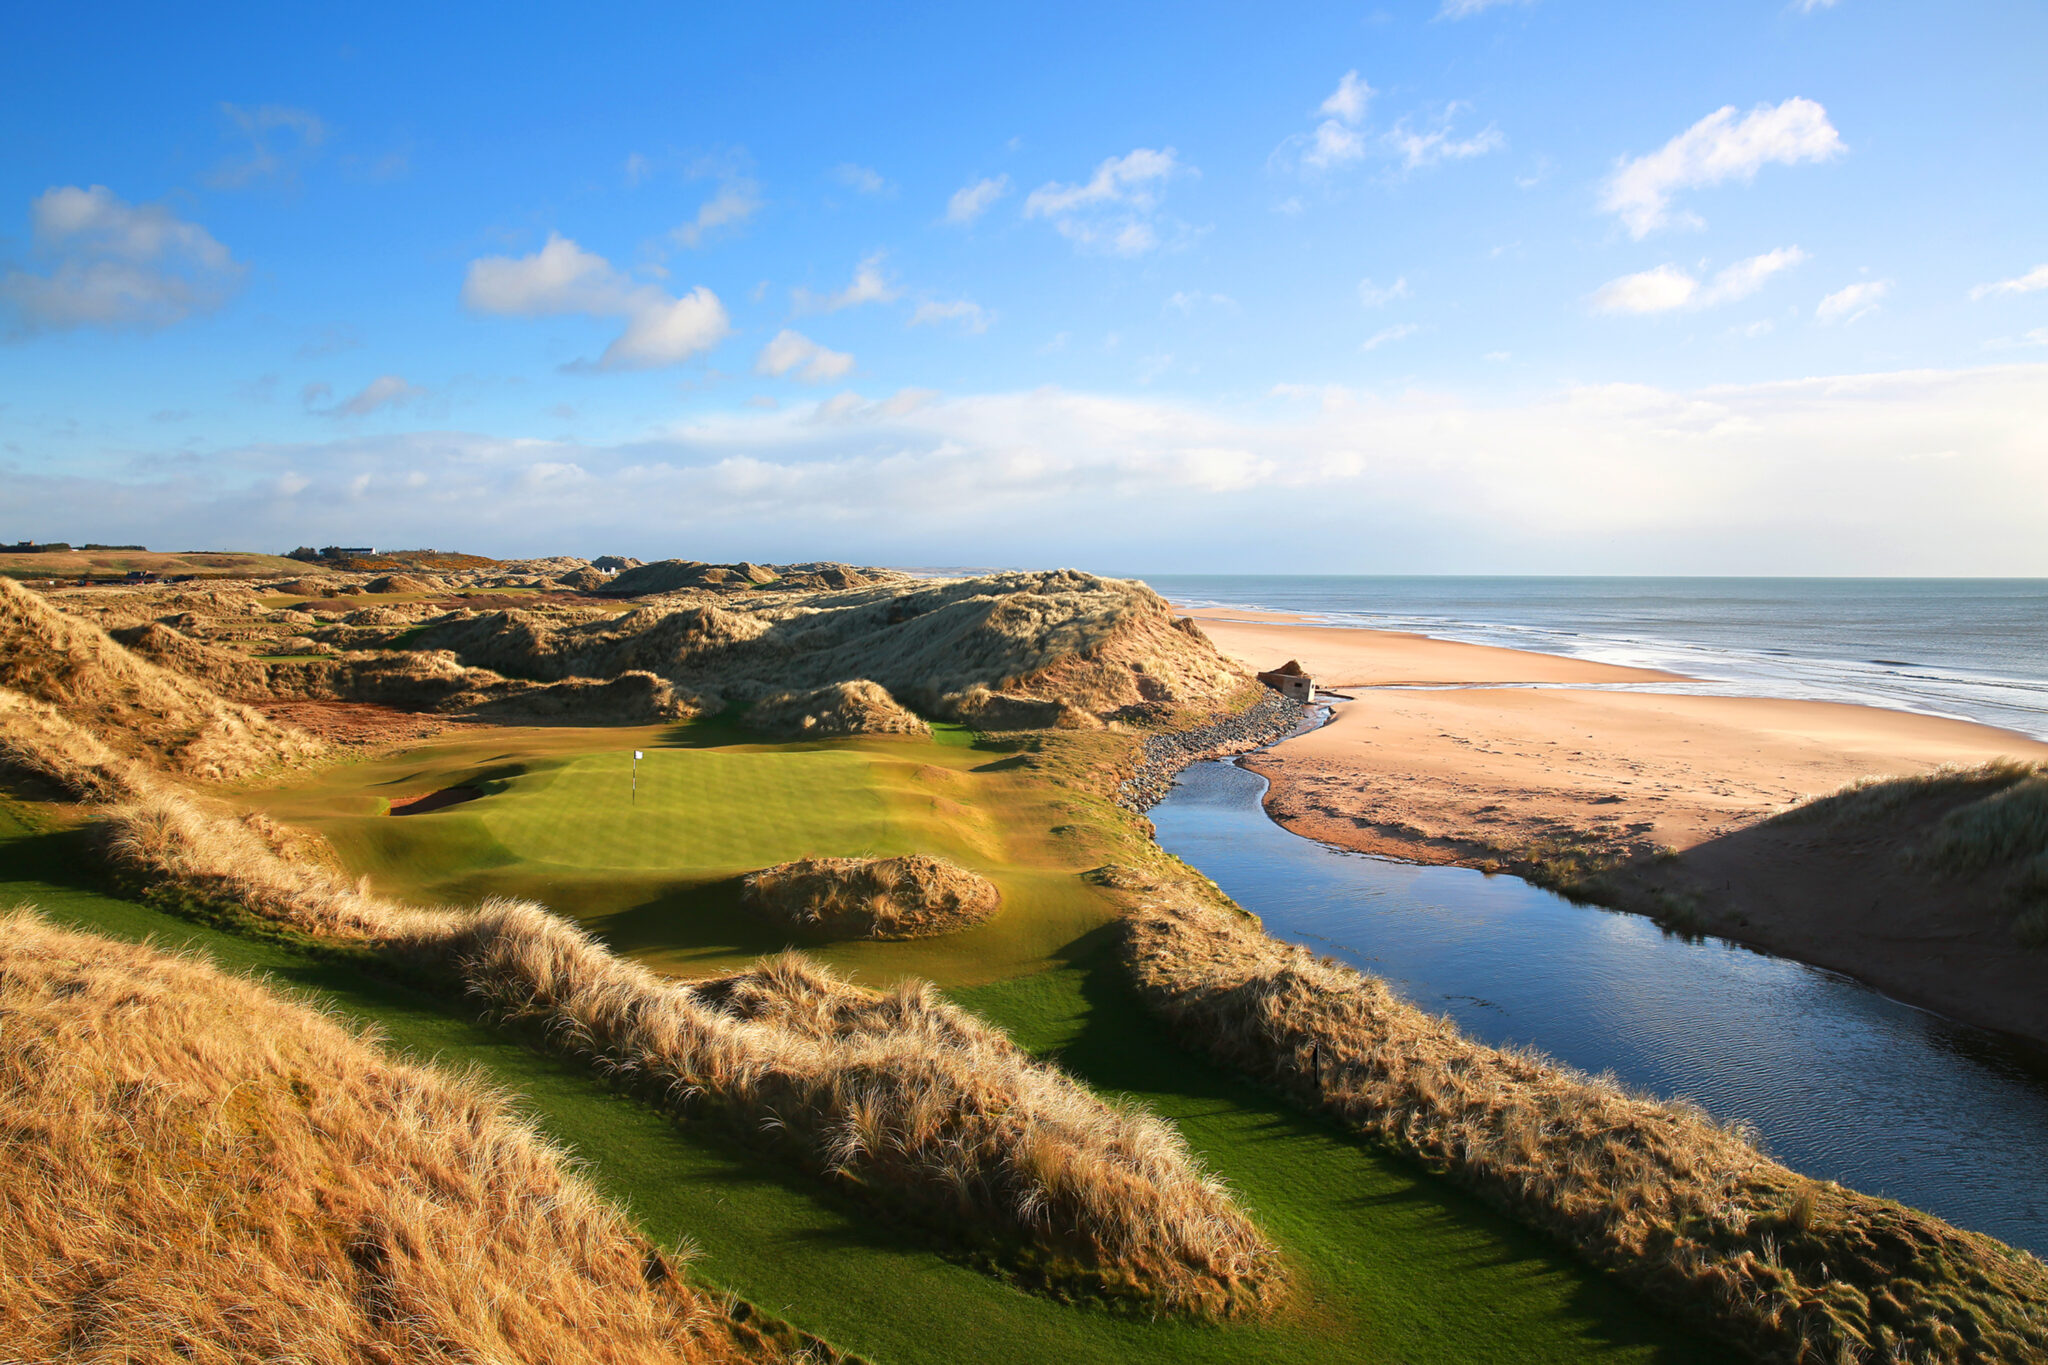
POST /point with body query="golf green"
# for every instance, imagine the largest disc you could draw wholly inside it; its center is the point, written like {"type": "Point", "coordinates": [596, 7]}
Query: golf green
{"type": "Point", "coordinates": [690, 808]}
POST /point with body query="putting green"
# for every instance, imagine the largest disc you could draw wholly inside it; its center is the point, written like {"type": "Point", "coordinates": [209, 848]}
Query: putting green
{"type": "Point", "coordinates": [693, 808]}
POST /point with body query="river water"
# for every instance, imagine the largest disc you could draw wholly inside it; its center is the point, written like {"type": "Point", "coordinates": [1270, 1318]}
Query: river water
{"type": "Point", "coordinates": [1836, 1080]}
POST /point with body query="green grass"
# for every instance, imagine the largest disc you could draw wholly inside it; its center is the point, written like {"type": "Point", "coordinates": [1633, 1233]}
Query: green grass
{"type": "Point", "coordinates": [1393, 1265]}
{"type": "Point", "coordinates": [692, 809]}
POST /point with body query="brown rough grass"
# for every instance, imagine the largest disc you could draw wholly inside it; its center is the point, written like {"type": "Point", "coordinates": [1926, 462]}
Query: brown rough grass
{"type": "Point", "coordinates": [872, 898]}
{"type": "Point", "coordinates": [195, 1169]}
{"type": "Point", "coordinates": [938, 1116]}
{"type": "Point", "coordinates": [1690, 1212]}
{"type": "Point", "coordinates": [36, 738]}
{"type": "Point", "coordinates": [133, 704]}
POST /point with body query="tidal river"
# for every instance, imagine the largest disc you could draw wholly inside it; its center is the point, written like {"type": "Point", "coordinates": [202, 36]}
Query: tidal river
{"type": "Point", "coordinates": [1837, 1081]}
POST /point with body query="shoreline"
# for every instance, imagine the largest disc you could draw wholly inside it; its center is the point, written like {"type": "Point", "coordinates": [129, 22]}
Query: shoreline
{"type": "Point", "coordinates": [1656, 803]}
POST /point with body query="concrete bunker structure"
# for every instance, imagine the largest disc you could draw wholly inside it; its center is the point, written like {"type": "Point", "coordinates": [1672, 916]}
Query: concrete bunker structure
{"type": "Point", "coordinates": [1291, 681]}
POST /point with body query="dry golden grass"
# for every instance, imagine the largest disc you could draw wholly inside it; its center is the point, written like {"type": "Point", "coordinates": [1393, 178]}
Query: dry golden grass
{"type": "Point", "coordinates": [875, 898]}
{"type": "Point", "coordinates": [911, 1102]}
{"type": "Point", "coordinates": [133, 704]}
{"type": "Point", "coordinates": [36, 738]}
{"type": "Point", "coordinates": [196, 1169]}
{"type": "Point", "coordinates": [1692, 1214]}
{"type": "Point", "coordinates": [250, 862]}
{"type": "Point", "coordinates": [858, 707]}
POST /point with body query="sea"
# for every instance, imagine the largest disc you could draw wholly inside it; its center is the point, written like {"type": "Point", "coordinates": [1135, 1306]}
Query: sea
{"type": "Point", "coordinates": [1968, 648]}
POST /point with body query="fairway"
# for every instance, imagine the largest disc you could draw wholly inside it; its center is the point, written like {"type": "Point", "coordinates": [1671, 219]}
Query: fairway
{"type": "Point", "coordinates": [694, 808]}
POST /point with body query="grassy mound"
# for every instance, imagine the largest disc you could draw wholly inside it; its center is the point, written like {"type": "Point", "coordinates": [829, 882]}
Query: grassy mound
{"type": "Point", "coordinates": [1789, 1269]}
{"type": "Point", "coordinates": [880, 898]}
{"type": "Point", "coordinates": [858, 707]}
{"type": "Point", "coordinates": [1981, 827]}
{"type": "Point", "coordinates": [197, 1169]}
{"type": "Point", "coordinates": [1096, 645]}
{"type": "Point", "coordinates": [130, 702]}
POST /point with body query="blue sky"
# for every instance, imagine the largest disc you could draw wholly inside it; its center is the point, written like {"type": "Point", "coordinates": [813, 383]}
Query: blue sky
{"type": "Point", "coordinates": [1445, 287]}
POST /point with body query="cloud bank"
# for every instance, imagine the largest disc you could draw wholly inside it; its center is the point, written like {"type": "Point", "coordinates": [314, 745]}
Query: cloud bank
{"type": "Point", "coordinates": [1905, 472]}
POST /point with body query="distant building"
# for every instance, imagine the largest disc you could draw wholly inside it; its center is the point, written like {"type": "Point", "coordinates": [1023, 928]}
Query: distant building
{"type": "Point", "coordinates": [1290, 680]}
{"type": "Point", "coordinates": [349, 551]}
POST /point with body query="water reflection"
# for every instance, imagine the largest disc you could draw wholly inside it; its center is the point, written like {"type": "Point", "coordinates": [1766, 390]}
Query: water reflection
{"type": "Point", "coordinates": [1838, 1081]}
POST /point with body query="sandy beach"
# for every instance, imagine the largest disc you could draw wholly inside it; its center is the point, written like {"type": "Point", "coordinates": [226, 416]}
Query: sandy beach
{"type": "Point", "coordinates": [1439, 758]}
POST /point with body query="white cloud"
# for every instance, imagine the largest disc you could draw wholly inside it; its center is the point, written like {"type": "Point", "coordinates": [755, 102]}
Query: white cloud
{"type": "Point", "coordinates": [1347, 102]}
{"type": "Point", "coordinates": [280, 140]}
{"type": "Point", "coordinates": [1649, 291]}
{"type": "Point", "coordinates": [860, 178]}
{"type": "Point", "coordinates": [1374, 296]}
{"type": "Point", "coordinates": [1717, 149]}
{"type": "Point", "coordinates": [737, 200]}
{"type": "Point", "coordinates": [1809, 6]}
{"type": "Point", "coordinates": [971, 316]}
{"type": "Point", "coordinates": [1853, 302]}
{"type": "Point", "coordinates": [869, 285]}
{"type": "Point", "coordinates": [562, 278]}
{"type": "Point", "coordinates": [2034, 279]}
{"type": "Point", "coordinates": [385, 391]}
{"type": "Point", "coordinates": [109, 263]}
{"type": "Point", "coordinates": [1821, 475]}
{"type": "Point", "coordinates": [559, 278]}
{"type": "Point", "coordinates": [1113, 210]}
{"type": "Point", "coordinates": [1332, 144]}
{"type": "Point", "coordinates": [794, 353]}
{"type": "Point", "coordinates": [1667, 287]}
{"type": "Point", "coordinates": [970, 201]}
{"type": "Point", "coordinates": [1387, 334]}
{"type": "Point", "coordinates": [1337, 138]}
{"type": "Point", "coordinates": [1465, 9]}
{"type": "Point", "coordinates": [661, 330]}
{"type": "Point", "coordinates": [1436, 143]}
{"type": "Point", "coordinates": [1133, 180]}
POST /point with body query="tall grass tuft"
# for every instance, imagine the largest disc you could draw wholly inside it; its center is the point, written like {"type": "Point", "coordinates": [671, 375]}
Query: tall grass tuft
{"type": "Point", "coordinates": [196, 1169]}
{"type": "Point", "coordinates": [2008, 825]}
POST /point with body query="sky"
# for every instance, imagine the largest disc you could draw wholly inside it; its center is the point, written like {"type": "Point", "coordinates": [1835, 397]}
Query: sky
{"type": "Point", "coordinates": [1465, 286]}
